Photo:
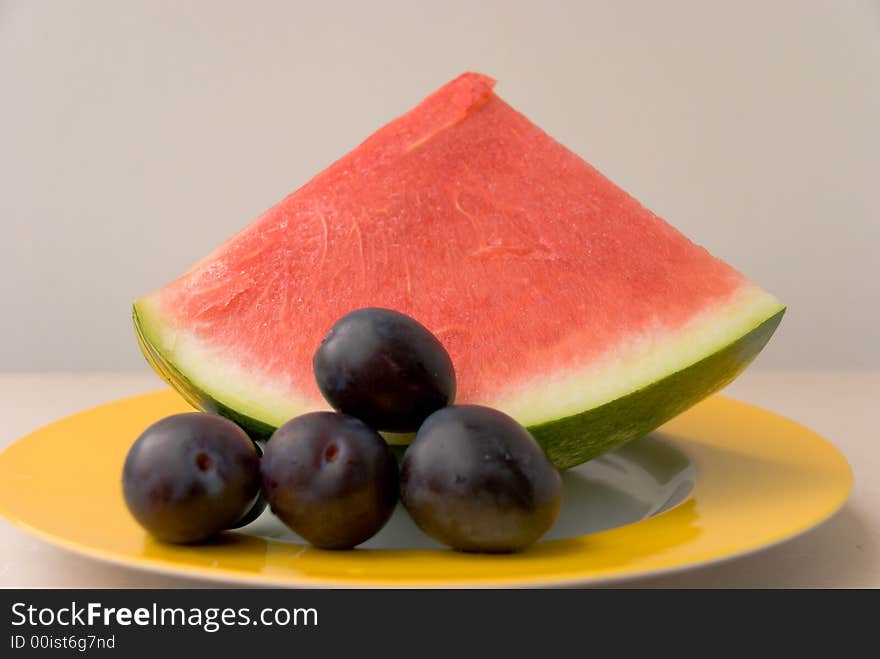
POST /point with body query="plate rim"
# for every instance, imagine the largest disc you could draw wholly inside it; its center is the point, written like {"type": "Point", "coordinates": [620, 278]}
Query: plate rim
{"type": "Point", "coordinates": [209, 575]}
{"type": "Point", "coordinates": [239, 577]}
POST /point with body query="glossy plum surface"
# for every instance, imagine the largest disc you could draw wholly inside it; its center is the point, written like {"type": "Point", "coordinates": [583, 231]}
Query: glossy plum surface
{"type": "Point", "coordinates": [260, 503]}
{"type": "Point", "coordinates": [384, 368]}
{"type": "Point", "coordinates": [330, 478]}
{"type": "Point", "coordinates": [476, 480]}
{"type": "Point", "coordinates": [190, 476]}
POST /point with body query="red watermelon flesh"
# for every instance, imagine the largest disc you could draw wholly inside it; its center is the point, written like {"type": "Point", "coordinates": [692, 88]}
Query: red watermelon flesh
{"type": "Point", "coordinates": [554, 290]}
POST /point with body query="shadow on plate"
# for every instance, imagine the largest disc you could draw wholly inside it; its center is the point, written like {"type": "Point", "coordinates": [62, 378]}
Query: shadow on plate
{"type": "Point", "coordinates": [637, 481]}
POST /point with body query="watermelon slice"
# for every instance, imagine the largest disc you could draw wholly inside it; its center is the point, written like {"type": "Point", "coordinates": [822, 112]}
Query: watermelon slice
{"type": "Point", "coordinates": [561, 299]}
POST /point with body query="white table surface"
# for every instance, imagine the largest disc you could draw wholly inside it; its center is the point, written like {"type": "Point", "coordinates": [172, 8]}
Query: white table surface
{"type": "Point", "coordinates": [844, 552]}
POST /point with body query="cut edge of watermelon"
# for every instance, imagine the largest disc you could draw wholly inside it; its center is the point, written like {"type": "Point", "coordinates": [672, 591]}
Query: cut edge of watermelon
{"type": "Point", "coordinates": [581, 437]}
{"type": "Point", "coordinates": [184, 362]}
{"type": "Point", "coordinates": [573, 404]}
{"type": "Point", "coordinates": [646, 359]}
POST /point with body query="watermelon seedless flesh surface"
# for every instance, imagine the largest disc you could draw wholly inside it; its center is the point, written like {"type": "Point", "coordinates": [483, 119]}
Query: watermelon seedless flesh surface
{"type": "Point", "coordinates": [560, 298]}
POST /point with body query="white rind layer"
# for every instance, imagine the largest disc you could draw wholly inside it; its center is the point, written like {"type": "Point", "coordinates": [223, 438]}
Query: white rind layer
{"type": "Point", "coordinates": [635, 363]}
{"type": "Point", "coordinates": [208, 370]}
{"type": "Point", "coordinates": [639, 361]}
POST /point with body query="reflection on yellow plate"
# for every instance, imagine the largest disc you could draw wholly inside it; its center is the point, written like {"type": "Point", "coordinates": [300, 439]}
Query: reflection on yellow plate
{"type": "Point", "coordinates": [760, 479]}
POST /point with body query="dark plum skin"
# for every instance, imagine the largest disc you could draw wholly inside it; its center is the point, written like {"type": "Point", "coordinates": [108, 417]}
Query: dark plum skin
{"type": "Point", "coordinates": [476, 480]}
{"type": "Point", "coordinates": [190, 476]}
{"type": "Point", "coordinates": [384, 368]}
{"type": "Point", "coordinates": [331, 478]}
{"type": "Point", "coordinates": [259, 504]}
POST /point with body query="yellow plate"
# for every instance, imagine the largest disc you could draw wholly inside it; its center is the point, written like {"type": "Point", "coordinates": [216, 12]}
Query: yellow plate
{"type": "Point", "coordinates": [741, 478]}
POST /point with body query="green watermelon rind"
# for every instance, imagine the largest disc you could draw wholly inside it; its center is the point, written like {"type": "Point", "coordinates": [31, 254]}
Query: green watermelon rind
{"type": "Point", "coordinates": [568, 441]}
{"type": "Point", "coordinates": [573, 440]}
{"type": "Point", "coordinates": [193, 394]}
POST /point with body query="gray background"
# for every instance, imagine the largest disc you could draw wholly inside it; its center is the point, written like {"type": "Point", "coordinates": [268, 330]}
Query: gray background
{"type": "Point", "coordinates": [135, 137]}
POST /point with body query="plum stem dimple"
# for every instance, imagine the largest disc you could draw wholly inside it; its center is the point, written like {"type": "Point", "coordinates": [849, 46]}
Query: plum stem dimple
{"type": "Point", "coordinates": [204, 462]}
{"type": "Point", "coordinates": [331, 452]}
